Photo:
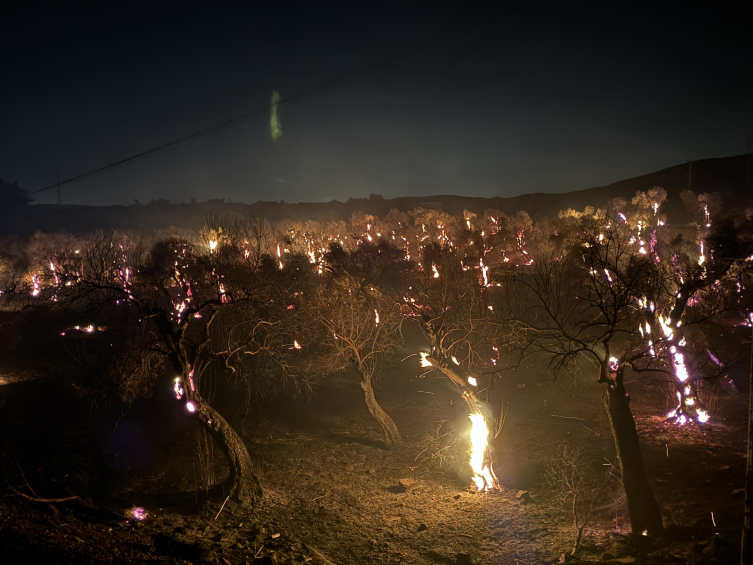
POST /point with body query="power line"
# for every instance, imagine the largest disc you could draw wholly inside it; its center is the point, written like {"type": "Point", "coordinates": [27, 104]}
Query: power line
{"type": "Point", "coordinates": [238, 120]}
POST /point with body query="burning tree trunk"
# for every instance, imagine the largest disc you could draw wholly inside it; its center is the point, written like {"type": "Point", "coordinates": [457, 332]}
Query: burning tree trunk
{"type": "Point", "coordinates": [582, 306]}
{"type": "Point", "coordinates": [389, 429]}
{"type": "Point", "coordinates": [644, 512]}
{"type": "Point", "coordinates": [481, 460]}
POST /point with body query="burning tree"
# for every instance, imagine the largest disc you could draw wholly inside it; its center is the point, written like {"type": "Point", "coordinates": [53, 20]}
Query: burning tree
{"type": "Point", "coordinates": [357, 311]}
{"type": "Point", "coordinates": [191, 304]}
{"type": "Point", "coordinates": [581, 306]}
{"type": "Point", "coordinates": [455, 314]}
{"type": "Point", "coordinates": [616, 294]}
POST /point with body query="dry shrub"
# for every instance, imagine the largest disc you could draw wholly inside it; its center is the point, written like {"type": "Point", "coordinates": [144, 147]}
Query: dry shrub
{"type": "Point", "coordinates": [578, 484]}
{"type": "Point", "coordinates": [441, 447]}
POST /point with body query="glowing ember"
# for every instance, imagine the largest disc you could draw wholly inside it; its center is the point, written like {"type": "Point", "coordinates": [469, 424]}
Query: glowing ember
{"type": "Point", "coordinates": [296, 345]}
{"type": "Point", "coordinates": [666, 328]}
{"type": "Point", "coordinates": [191, 407]}
{"type": "Point", "coordinates": [212, 246]}
{"type": "Point", "coordinates": [681, 371]}
{"type": "Point", "coordinates": [614, 364]}
{"type": "Point", "coordinates": [376, 317]}
{"type": "Point", "coordinates": [472, 381]}
{"type": "Point", "coordinates": [482, 476]}
{"type": "Point", "coordinates": [424, 361]}
{"type": "Point", "coordinates": [138, 513]}
{"type": "Point", "coordinates": [178, 388]}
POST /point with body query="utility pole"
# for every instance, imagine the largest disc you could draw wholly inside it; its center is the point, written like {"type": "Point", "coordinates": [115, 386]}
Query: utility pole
{"type": "Point", "coordinates": [58, 188]}
{"type": "Point", "coordinates": [748, 151]}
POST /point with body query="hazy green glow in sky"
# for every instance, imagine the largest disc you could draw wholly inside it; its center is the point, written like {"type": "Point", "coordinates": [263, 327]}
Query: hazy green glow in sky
{"type": "Point", "coordinates": [275, 127]}
{"type": "Point", "coordinates": [487, 99]}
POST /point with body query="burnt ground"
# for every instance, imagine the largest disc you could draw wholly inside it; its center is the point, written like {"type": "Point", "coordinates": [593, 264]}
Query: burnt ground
{"type": "Point", "coordinates": [332, 493]}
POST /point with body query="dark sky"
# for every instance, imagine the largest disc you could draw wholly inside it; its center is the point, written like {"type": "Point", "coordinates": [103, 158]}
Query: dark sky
{"type": "Point", "coordinates": [482, 101]}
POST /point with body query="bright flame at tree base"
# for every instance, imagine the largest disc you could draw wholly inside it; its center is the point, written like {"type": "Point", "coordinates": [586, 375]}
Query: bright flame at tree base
{"type": "Point", "coordinates": [483, 475]}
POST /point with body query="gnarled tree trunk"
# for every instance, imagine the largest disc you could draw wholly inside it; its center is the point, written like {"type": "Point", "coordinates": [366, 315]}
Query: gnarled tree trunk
{"type": "Point", "coordinates": [389, 429]}
{"type": "Point", "coordinates": [242, 484]}
{"type": "Point", "coordinates": [643, 509]}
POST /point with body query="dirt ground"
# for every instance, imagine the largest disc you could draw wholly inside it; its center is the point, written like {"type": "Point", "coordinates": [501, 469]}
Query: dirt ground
{"type": "Point", "coordinates": [332, 493]}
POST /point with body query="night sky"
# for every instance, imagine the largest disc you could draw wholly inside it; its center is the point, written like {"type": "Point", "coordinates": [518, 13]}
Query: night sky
{"type": "Point", "coordinates": [388, 98]}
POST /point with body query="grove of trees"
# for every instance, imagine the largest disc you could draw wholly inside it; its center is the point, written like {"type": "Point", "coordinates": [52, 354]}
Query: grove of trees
{"type": "Point", "coordinates": [602, 293]}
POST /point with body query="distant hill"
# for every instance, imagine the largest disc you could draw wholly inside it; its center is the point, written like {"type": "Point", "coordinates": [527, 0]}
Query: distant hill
{"type": "Point", "coordinates": [724, 176]}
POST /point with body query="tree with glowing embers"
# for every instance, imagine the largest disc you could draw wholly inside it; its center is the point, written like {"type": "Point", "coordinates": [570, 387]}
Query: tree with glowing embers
{"type": "Point", "coordinates": [192, 304]}
{"type": "Point", "coordinates": [360, 324]}
{"type": "Point", "coordinates": [613, 294]}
